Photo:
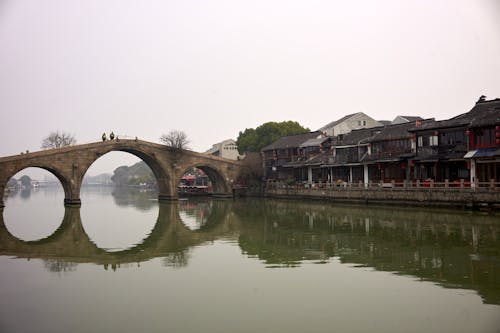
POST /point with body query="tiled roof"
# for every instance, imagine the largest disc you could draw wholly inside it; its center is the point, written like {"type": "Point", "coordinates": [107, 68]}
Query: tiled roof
{"type": "Point", "coordinates": [356, 136]}
{"type": "Point", "coordinates": [291, 141]}
{"type": "Point", "coordinates": [483, 113]}
{"type": "Point", "coordinates": [393, 132]}
{"type": "Point", "coordinates": [314, 142]}
{"type": "Point", "coordinates": [490, 116]}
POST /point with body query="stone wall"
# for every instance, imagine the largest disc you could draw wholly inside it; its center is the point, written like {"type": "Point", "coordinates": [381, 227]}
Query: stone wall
{"type": "Point", "coordinates": [466, 198]}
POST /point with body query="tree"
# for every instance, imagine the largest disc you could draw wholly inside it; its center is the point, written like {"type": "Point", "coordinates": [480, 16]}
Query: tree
{"type": "Point", "coordinates": [58, 139]}
{"type": "Point", "coordinates": [175, 139]}
{"type": "Point", "coordinates": [25, 181]}
{"type": "Point", "coordinates": [253, 140]}
{"type": "Point", "coordinates": [251, 172]}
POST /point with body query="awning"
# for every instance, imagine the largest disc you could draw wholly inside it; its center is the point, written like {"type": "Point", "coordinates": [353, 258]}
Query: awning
{"type": "Point", "coordinates": [482, 152]}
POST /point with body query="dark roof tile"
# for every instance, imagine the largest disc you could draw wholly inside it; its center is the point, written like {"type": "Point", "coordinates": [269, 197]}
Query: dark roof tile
{"type": "Point", "coordinates": [291, 141]}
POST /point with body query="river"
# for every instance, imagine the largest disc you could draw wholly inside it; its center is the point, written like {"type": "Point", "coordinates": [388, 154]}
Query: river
{"type": "Point", "coordinates": [125, 263]}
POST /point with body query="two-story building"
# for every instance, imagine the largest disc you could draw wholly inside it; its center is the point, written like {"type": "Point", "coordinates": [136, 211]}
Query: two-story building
{"type": "Point", "coordinates": [344, 163]}
{"type": "Point", "coordinates": [279, 157]}
{"type": "Point", "coordinates": [483, 133]}
{"type": "Point", "coordinates": [390, 152]}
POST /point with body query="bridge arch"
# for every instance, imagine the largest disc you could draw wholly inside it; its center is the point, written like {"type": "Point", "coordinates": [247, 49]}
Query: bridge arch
{"type": "Point", "coordinates": [59, 174]}
{"type": "Point", "coordinates": [220, 182]}
{"type": "Point", "coordinates": [161, 175]}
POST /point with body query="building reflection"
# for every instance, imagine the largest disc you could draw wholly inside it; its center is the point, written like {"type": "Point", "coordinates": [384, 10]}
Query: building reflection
{"type": "Point", "coordinates": [455, 250]}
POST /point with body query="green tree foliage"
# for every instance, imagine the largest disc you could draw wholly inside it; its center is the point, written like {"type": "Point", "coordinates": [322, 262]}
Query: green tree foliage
{"type": "Point", "coordinates": [25, 181]}
{"type": "Point", "coordinates": [133, 175]}
{"type": "Point", "coordinates": [253, 140]}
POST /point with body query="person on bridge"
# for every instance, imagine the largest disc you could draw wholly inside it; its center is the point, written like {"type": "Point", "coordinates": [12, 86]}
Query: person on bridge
{"type": "Point", "coordinates": [103, 136]}
{"type": "Point", "coordinates": [111, 136]}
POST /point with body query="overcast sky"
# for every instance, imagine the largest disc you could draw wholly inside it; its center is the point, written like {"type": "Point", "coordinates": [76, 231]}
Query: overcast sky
{"type": "Point", "coordinates": [213, 68]}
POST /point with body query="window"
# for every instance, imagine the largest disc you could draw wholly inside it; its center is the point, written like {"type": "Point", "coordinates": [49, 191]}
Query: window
{"type": "Point", "coordinates": [425, 141]}
{"type": "Point", "coordinates": [485, 137]}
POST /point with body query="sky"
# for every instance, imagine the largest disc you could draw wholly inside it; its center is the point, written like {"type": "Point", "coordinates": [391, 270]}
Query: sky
{"type": "Point", "coordinates": [214, 68]}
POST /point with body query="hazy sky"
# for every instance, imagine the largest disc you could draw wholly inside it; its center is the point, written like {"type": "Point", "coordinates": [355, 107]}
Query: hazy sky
{"type": "Point", "coordinates": [213, 68]}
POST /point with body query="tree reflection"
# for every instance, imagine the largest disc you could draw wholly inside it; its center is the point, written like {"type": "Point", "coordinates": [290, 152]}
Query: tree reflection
{"type": "Point", "coordinates": [177, 259]}
{"type": "Point", "coordinates": [57, 265]}
{"type": "Point", "coordinates": [143, 200]}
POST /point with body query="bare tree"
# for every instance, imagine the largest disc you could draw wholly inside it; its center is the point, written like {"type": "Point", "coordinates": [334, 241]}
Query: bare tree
{"type": "Point", "coordinates": [58, 139]}
{"type": "Point", "coordinates": [175, 139]}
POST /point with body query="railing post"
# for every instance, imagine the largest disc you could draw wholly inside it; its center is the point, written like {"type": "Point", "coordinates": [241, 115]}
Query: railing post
{"type": "Point", "coordinates": [446, 183]}
{"type": "Point", "coordinates": [418, 183]}
{"type": "Point", "coordinates": [431, 183]}
{"type": "Point", "coordinates": [462, 183]}
{"type": "Point", "coordinates": [492, 184]}
{"type": "Point", "coordinates": [393, 183]}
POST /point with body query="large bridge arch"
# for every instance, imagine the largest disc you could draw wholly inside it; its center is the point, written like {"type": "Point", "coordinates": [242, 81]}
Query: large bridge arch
{"type": "Point", "coordinates": [159, 170]}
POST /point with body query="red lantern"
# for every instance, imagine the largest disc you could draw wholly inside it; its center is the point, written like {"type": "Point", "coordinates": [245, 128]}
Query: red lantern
{"type": "Point", "coordinates": [468, 132]}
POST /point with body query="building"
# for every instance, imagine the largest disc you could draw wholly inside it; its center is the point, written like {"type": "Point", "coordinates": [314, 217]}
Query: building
{"type": "Point", "coordinates": [226, 149]}
{"type": "Point", "coordinates": [458, 152]}
{"type": "Point", "coordinates": [345, 163]}
{"type": "Point", "coordinates": [483, 133]}
{"type": "Point", "coordinates": [348, 123]}
{"type": "Point", "coordinates": [278, 156]}
{"type": "Point", "coordinates": [389, 153]}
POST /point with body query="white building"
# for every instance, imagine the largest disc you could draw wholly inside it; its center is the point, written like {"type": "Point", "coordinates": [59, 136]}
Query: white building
{"type": "Point", "coordinates": [348, 123]}
{"type": "Point", "coordinates": [226, 149]}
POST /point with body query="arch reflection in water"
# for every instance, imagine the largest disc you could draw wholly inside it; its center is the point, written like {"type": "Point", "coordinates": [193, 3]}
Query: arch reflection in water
{"type": "Point", "coordinates": [118, 218]}
{"type": "Point", "coordinates": [33, 213]}
{"type": "Point", "coordinates": [70, 242]}
{"type": "Point", "coordinates": [452, 250]}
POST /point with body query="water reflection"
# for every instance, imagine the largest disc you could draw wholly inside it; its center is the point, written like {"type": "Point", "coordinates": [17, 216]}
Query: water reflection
{"type": "Point", "coordinates": [454, 250]}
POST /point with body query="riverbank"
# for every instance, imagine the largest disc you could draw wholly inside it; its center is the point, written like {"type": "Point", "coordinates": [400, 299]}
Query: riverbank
{"type": "Point", "coordinates": [466, 198]}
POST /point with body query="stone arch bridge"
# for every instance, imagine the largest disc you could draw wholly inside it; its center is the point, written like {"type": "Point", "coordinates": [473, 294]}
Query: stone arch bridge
{"type": "Point", "coordinates": [69, 164]}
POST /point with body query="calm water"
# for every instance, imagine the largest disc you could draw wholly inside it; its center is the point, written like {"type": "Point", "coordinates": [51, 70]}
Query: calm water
{"type": "Point", "coordinates": [124, 263]}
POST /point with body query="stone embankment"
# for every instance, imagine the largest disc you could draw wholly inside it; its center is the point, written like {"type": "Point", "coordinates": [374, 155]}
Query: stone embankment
{"type": "Point", "coordinates": [471, 198]}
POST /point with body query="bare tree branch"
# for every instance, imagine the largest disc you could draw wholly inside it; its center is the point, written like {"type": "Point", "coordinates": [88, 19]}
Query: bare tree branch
{"type": "Point", "coordinates": [58, 139]}
{"type": "Point", "coordinates": [175, 139]}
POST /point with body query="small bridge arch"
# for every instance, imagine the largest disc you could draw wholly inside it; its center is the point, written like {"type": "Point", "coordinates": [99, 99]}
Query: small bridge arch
{"type": "Point", "coordinates": [69, 165]}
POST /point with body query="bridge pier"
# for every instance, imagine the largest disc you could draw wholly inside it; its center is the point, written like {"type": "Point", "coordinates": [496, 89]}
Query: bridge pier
{"type": "Point", "coordinates": [72, 202]}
